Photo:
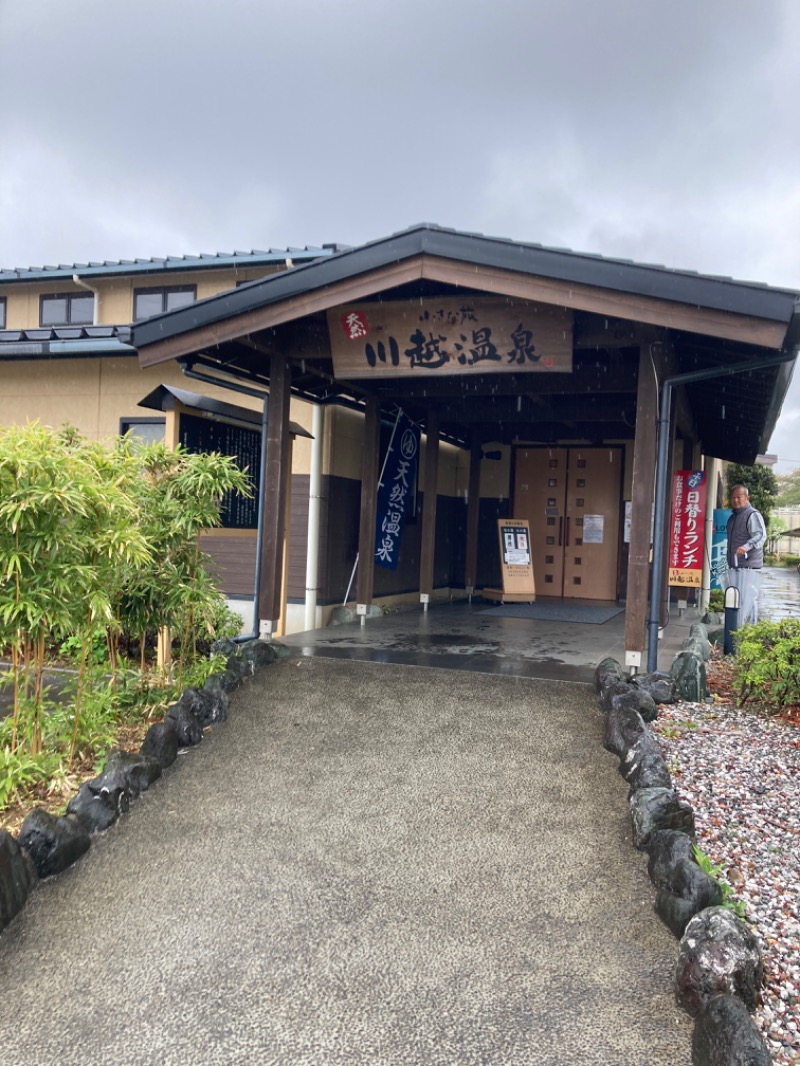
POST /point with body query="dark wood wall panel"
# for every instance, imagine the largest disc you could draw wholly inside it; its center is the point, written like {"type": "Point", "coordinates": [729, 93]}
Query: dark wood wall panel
{"type": "Point", "coordinates": [298, 537]}
{"type": "Point", "coordinates": [233, 562]}
{"type": "Point", "coordinates": [234, 558]}
{"type": "Point", "coordinates": [338, 551]}
{"type": "Point", "coordinates": [339, 543]}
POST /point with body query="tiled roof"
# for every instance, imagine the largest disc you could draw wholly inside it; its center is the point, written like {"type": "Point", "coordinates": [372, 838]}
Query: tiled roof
{"type": "Point", "coordinates": [204, 261]}
{"type": "Point", "coordinates": [65, 341]}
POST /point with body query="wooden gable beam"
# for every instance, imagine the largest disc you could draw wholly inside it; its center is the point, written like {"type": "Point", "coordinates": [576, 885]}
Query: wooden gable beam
{"type": "Point", "coordinates": [623, 305]}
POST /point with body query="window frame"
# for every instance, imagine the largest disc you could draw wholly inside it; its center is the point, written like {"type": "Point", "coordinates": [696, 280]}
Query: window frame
{"type": "Point", "coordinates": [127, 422]}
{"type": "Point", "coordinates": [163, 291]}
{"type": "Point", "coordinates": [69, 297]}
{"type": "Point", "coordinates": [3, 313]}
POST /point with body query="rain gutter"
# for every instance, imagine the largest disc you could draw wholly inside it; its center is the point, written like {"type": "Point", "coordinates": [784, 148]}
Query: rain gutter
{"type": "Point", "coordinates": [662, 466]}
{"type": "Point", "coordinates": [314, 511]}
{"type": "Point", "coordinates": [79, 349]}
{"type": "Point", "coordinates": [96, 305]}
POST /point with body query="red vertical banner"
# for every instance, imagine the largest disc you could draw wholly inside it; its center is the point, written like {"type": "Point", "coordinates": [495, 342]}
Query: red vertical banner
{"type": "Point", "coordinates": [687, 532]}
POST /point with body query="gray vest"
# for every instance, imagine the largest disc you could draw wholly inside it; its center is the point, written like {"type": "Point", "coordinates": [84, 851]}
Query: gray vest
{"type": "Point", "coordinates": [739, 534]}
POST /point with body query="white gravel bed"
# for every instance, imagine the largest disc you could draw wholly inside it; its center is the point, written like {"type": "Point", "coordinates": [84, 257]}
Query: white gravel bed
{"type": "Point", "coordinates": [741, 774]}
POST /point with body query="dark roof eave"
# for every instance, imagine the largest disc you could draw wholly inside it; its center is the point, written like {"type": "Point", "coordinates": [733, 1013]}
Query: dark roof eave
{"type": "Point", "coordinates": [779, 392]}
{"type": "Point", "coordinates": [163, 398]}
{"type": "Point", "coordinates": [721, 294]}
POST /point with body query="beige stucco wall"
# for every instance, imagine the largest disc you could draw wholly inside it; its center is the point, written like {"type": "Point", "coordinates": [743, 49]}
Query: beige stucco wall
{"type": "Point", "coordinates": [344, 446]}
{"type": "Point", "coordinates": [115, 307]}
{"type": "Point", "coordinates": [94, 394]}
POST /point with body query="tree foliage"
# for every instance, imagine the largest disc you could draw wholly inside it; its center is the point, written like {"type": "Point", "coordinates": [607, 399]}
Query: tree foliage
{"type": "Point", "coordinates": [789, 489]}
{"type": "Point", "coordinates": [98, 544]}
{"type": "Point", "coordinates": [759, 481]}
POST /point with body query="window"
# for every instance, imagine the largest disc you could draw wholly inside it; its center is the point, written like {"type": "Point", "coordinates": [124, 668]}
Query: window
{"type": "Point", "coordinates": [147, 430]}
{"type": "Point", "coordinates": [147, 302]}
{"type": "Point", "coordinates": [2, 312]}
{"type": "Point", "coordinates": [67, 309]}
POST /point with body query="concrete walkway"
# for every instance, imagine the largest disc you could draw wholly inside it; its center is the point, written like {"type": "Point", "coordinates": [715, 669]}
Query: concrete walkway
{"type": "Point", "coordinates": [368, 864]}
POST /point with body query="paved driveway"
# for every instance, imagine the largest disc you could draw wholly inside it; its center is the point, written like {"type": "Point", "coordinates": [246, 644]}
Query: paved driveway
{"type": "Point", "coordinates": [368, 864]}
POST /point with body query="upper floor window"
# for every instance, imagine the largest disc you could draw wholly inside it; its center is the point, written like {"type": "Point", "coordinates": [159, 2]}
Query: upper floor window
{"type": "Point", "coordinates": [147, 302]}
{"type": "Point", "coordinates": [67, 309]}
{"type": "Point", "coordinates": [2, 312]}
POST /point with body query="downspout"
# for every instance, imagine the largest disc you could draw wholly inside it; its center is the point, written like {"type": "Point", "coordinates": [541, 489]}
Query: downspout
{"type": "Point", "coordinates": [662, 465]}
{"type": "Point", "coordinates": [314, 508]}
{"type": "Point", "coordinates": [77, 280]}
{"type": "Point", "coordinates": [209, 379]}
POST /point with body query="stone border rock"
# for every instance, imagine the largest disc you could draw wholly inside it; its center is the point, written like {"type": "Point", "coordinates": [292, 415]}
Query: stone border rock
{"type": "Point", "coordinates": [719, 970]}
{"type": "Point", "coordinates": [48, 844]}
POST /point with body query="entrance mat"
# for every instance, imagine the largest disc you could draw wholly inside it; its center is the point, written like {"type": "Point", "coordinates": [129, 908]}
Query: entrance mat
{"type": "Point", "coordinates": [555, 612]}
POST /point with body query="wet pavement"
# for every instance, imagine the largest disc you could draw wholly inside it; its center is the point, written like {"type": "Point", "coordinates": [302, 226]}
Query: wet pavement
{"type": "Point", "coordinates": [780, 594]}
{"type": "Point", "coordinates": [471, 637]}
{"type": "Point", "coordinates": [367, 865]}
{"type": "Point", "coordinates": [463, 636]}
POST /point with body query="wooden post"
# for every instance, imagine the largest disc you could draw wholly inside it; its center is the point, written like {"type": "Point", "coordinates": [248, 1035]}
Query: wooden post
{"type": "Point", "coordinates": [287, 524]}
{"type": "Point", "coordinates": [277, 477]}
{"type": "Point", "coordinates": [370, 458]}
{"type": "Point", "coordinates": [429, 508]}
{"type": "Point", "coordinates": [473, 515]}
{"type": "Point", "coordinates": [164, 641]}
{"type": "Point", "coordinates": [666, 591]}
{"type": "Point", "coordinates": [172, 425]}
{"type": "Point", "coordinates": [645, 449]}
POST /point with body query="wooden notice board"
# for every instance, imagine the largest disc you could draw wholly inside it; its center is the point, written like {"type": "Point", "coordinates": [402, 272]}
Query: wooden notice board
{"type": "Point", "coordinates": [516, 564]}
{"type": "Point", "coordinates": [449, 336]}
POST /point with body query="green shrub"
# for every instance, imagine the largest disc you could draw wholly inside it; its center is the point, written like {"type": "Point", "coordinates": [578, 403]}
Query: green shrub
{"type": "Point", "coordinates": [788, 561]}
{"type": "Point", "coordinates": [768, 662]}
{"type": "Point", "coordinates": [99, 545]}
{"type": "Point", "coordinates": [729, 900]}
{"type": "Point", "coordinates": [21, 773]}
{"type": "Point", "coordinates": [716, 600]}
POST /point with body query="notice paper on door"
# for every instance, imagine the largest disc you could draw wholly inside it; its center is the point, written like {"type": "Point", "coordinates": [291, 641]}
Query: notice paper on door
{"type": "Point", "coordinates": [593, 529]}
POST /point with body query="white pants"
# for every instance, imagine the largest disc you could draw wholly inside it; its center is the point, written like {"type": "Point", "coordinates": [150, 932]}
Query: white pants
{"type": "Point", "coordinates": [748, 582]}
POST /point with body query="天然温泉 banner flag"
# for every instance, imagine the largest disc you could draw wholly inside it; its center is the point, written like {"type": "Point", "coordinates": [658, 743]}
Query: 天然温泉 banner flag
{"type": "Point", "coordinates": [687, 532]}
{"type": "Point", "coordinates": [398, 482]}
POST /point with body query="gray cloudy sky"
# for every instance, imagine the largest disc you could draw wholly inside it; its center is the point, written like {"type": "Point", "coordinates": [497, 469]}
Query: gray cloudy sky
{"type": "Point", "coordinates": [659, 132]}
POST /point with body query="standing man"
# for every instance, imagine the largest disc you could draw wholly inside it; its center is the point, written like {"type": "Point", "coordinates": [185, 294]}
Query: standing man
{"type": "Point", "coordinates": [747, 535]}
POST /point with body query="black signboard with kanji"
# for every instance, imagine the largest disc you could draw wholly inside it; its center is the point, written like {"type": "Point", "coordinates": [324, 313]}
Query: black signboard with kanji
{"type": "Point", "coordinates": [197, 434]}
